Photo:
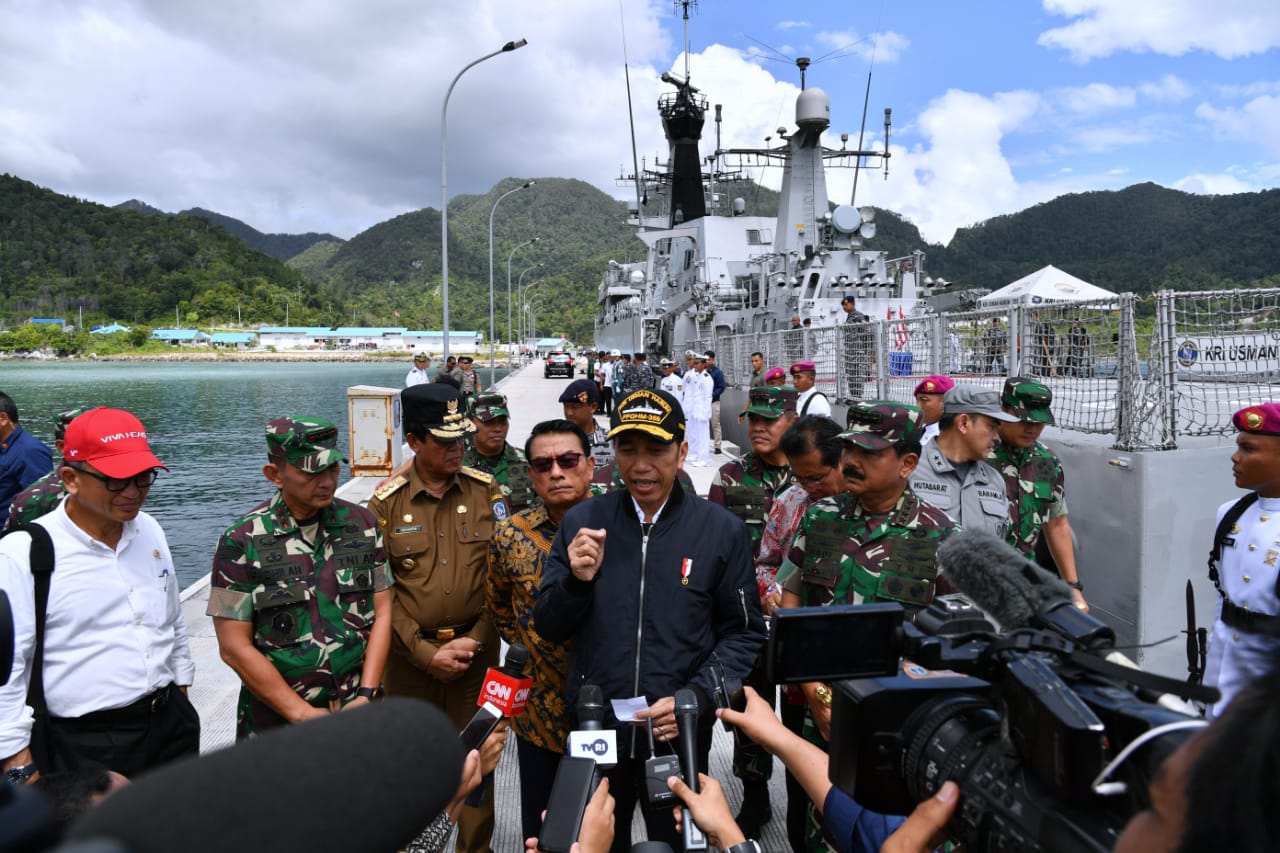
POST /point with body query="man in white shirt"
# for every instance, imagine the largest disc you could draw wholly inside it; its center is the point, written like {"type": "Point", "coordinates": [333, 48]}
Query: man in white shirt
{"type": "Point", "coordinates": [421, 372]}
{"type": "Point", "coordinates": [696, 402]}
{"type": "Point", "coordinates": [116, 662]}
{"type": "Point", "coordinates": [672, 382]}
{"type": "Point", "coordinates": [604, 376]}
{"type": "Point", "coordinates": [811, 401]}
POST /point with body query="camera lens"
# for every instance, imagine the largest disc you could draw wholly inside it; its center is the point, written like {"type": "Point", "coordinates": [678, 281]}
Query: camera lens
{"type": "Point", "coordinates": [945, 738]}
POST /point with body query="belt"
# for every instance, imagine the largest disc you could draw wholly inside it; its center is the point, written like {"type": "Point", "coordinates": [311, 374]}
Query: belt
{"type": "Point", "coordinates": [131, 713]}
{"type": "Point", "coordinates": [1249, 621]}
{"type": "Point", "coordinates": [449, 633]}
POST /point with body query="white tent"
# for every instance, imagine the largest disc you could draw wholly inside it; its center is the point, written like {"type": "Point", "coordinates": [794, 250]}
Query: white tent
{"type": "Point", "coordinates": [1049, 284]}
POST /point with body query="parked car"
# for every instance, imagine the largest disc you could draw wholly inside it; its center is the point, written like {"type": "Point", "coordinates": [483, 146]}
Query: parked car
{"type": "Point", "coordinates": [558, 364]}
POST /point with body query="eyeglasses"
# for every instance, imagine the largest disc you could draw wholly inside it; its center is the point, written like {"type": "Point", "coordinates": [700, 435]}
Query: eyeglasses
{"type": "Point", "coordinates": [566, 461]}
{"type": "Point", "coordinates": [115, 484]}
{"type": "Point", "coordinates": [816, 479]}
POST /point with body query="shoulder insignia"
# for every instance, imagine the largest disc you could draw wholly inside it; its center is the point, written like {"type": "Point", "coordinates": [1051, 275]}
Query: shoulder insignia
{"type": "Point", "coordinates": [390, 487]}
{"type": "Point", "coordinates": [477, 474]}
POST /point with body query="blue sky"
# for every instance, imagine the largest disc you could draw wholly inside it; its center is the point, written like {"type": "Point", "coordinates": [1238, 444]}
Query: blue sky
{"type": "Point", "coordinates": [325, 116]}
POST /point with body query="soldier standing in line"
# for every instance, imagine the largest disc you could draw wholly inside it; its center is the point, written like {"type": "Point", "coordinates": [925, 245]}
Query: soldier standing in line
{"type": "Point", "coordinates": [643, 373]}
{"type": "Point", "coordinates": [672, 382]}
{"type": "Point", "coordinates": [437, 520]}
{"type": "Point", "coordinates": [859, 348]}
{"type": "Point", "coordinates": [301, 595]}
{"type": "Point", "coordinates": [747, 488]}
{"type": "Point", "coordinates": [420, 373]}
{"type": "Point", "coordinates": [953, 473]}
{"type": "Point", "coordinates": [42, 495]}
{"type": "Point", "coordinates": [929, 393]}
{"type": "Point", "coordinates": [579, 401]}
{"type": "Point", "coordinates": [696, 403]}
{"type": "Point", "coordinates": [488, 450]}
{"type": "Point", "coordinates": [876, 542]}
{"type": "Point", "coordinates": [561, 468]}
{"type": "Point", "coordinates": [1034, 480]}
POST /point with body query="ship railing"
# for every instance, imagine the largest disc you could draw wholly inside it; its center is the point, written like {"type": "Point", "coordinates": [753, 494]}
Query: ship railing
{"type": "Point", "coordinates": [1143, 371]}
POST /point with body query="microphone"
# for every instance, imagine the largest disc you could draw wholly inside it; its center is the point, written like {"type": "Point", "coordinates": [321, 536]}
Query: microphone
{"type": "Point", "coordinates": [591, 739]}
{"type": "Point", "coordinates": [1019, 594]}
{"type": "Point", "coordinates": [507, 688]}
{"type": "Point", "coordinates": [406, 745]}
{"type": "Point", "coordinates": [687, 720]}
{"type": "Point", "coordinates": [504, 693]}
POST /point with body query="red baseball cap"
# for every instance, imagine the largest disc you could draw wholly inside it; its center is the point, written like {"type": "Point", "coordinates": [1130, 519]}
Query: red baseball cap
{"type": "Point", "coordinates": [111, 440]}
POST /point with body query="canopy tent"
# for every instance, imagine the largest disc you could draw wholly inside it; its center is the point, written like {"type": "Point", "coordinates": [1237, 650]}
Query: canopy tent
{"type": "Point", "coordinates": [1049, 284]}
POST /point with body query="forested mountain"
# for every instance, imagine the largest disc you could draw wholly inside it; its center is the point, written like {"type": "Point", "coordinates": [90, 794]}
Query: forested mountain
{"type": "Point", "coordinates": [279, 246]}
{"type": "Point", "coordinates": [59, 253]}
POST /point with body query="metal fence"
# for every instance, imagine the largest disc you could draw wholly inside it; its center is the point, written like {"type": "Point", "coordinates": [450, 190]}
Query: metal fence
{"type": "Point", "coordinates": [1145, 380]}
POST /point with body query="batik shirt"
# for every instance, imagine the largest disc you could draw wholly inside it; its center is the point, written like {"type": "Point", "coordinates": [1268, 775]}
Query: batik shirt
{"type": "Point", "coordinates": [779, 529]}
{"type": "Point", "coordinates": [310, 602]}
{"type": "Point", "coordinates": [1034, 481]}
{"type": "Point", "coordinates": [843, 555]}
{"type": "Point", "coordinates": [509, 470]}
{"type": "Point", "coordinates": [747, 488]}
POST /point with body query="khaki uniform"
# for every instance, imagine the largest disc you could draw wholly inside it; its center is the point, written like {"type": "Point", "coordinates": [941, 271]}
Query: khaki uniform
{"type": "Point", "coordinates": [439, 549]}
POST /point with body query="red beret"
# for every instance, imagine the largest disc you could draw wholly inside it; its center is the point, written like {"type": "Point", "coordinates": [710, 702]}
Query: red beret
{"type": "Point", "coordinates": [1263, 419]}
{"type": "Point", "coordinates": [934, 384]}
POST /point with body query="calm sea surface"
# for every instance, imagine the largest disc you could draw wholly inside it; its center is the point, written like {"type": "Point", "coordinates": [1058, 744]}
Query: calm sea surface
{"type": "Point", "coordinates": [204, 421]}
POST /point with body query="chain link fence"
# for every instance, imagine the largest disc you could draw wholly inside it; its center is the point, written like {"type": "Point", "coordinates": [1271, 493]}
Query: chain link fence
{"type": "Point", "coordinates": [1146, 378]}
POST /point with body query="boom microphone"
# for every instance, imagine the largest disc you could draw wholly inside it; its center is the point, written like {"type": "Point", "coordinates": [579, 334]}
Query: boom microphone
{"type": "Point", "coordinates": [403, 751]}
{"type": "Point", "coordinates": [1019, 594]}
{"type": "Point", "coordinates": [687, 720]}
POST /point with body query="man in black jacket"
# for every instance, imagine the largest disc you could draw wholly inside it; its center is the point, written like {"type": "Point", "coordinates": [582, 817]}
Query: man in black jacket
{"type": "Point", "coordinates": [657, 591]}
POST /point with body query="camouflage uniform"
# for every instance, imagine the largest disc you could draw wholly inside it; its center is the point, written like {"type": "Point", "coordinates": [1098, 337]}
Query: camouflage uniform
{"type": "Point", "coordinates": [1033, 476]}
{"type": "Point", "coordinates": [44, 494]}
{"type": "Point", "coordinates": [311, 603]}
{"type": "Point", "coordinates": [509, 468]}
{"type": "Point", "coordinates": [642, 376]}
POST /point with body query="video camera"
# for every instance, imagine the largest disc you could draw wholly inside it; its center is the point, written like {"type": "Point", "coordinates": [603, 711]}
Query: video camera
{"type": "Point", "coordinates": [1052, 746]}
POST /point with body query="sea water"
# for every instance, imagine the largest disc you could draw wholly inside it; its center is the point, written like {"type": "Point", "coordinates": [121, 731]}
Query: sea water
{"type": "Point", "coordinates": [205, 421]}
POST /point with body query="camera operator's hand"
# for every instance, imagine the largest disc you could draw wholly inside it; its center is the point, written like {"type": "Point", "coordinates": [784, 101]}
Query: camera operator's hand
{"type": "Point", "coordinates": [595, 835]}
{"type": "Point", "coordinates": [710, 810]}
{"type": "Point", "coordinates": [757, 721]}
{"type": "Point", "coordinates": [923, 830]}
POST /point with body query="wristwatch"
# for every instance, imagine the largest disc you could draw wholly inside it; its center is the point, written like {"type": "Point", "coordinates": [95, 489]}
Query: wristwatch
{"type": "Point", "coordinates": [823, 694]}
{"type": "Point", "coordinates": [371, 693]}
{"type": "Point", "coordinates": [1076, 585]}
{"type": "Point", "coordinates": [20, 775]}
{"type": "Point", "coordinates": [748, 846]}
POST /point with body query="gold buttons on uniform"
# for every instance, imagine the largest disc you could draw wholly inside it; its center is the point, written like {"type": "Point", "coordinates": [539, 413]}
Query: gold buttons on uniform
{"type": "Point", "coordinates": [1246, 578]}
{"type": "Point", "coordinates": [1263, 518]}
{"type": "Point", "coordinates": [407, 518]}
{"type": "Point", "coordinates": [408, 562]}
{"type": "Point", "coordinates": [1252, 547]}
{"type": "Point", "coordinates": [461, 510]}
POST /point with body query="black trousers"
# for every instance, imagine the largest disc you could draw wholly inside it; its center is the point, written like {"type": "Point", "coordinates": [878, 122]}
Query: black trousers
{"type": "Point", "coordinates": [151, 732]}
{"type": "Point", "coordinates": [537, 774]}
{"type": "Point", "coordinates": [627, 785]}
{"type": "Point", "coordinates": [606, 401]}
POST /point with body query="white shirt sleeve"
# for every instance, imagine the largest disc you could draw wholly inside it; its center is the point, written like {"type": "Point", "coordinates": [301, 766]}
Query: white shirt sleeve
{"type": "Point", "coordinates": [16, 580]}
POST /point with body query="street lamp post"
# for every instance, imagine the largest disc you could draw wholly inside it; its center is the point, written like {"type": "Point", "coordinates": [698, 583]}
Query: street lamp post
{"type": "Point", "coordinates": [532, 329]}
{"type": "Point", "coordinates": [444, 191]}
{"type": "Point", "coordinates": [520, 292]}
{"type": "Point", "coordinates": [524, 186]}
{"type": "Point", "coordinates": [510, 329]}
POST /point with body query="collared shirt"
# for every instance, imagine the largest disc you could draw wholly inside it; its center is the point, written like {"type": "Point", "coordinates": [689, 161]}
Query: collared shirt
{"type": "Point", "coordinates": [717, 382]}
{"type": "Point", "coordinates": [1035, 484]}
{"type": "Point", "coordinates": [517, 554]}
{"type": "Point", "coordinates": [509, 469]}
{"type": "Point", "coordinates": [757, 378]}
{"type": "Point", "coordinates": [844, 555]}
{"type": "Point", "coordinates": [978, 502]}
{"type": "Point", "coordinates": [311, 603]}
{"type": "Point", "coordinates": [1248, 571]}
{"type": "Point", "coordinates": [779, 529]}
{"type": "Point", "coordinates": [115, 631]}
{"type": "Point", "coordinates": [23, 460]}
{"type": "Point", "coordinates": [439, 549]}
{"type": "Point", "coordinates": [696, 399]}
{"type": "Point", "coordinates": [417, 376]}
{"type": "Point", "coordinates": [672, 384]}
{"type": "Point", "coordinates": [813, 402]}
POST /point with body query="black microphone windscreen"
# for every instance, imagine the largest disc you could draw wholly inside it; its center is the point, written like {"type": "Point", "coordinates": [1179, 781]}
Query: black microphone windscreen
{"type": "Point", "coordinates": [686, 700]}
{"type": "Point", "coordinates": [997, 578]}
{"type": "Point", "coordinates": [379, 775]}
{"type": "Point", "coordinates": [517, 659]}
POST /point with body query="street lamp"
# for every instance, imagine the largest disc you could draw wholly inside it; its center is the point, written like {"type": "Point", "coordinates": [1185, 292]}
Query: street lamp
{"type": "Point", "coordinates": [491, 213]}
{"type": "Point", "coordinates": [444, 192]}
{"type": "Point", "coordinates": [532, 329]}
{"type": "Point", "coordinates": [520, 291]}
{"type": "Point", "coordinates": [510, 329]}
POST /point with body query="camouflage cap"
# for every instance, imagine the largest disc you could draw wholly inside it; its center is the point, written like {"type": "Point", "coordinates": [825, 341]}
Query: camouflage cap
{"type": "Point", "coordinates": [1028, 399]}
{"type": "Point", "coordinates": [309, 444]}
{"type": "Point", "coordinates": [62, 419]}
{"type": "Point", "coordinates": [489, 405]}
{"type": "Point", "coordinates": [878, 424]}
{"type": "Point", "coordinates": [772, 401]}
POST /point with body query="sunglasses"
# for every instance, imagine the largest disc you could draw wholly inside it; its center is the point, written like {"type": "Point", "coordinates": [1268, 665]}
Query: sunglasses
{"type": "Point", "coordinates": [566, 461]}
{"type": "Point", "coordinates": [115, 484]}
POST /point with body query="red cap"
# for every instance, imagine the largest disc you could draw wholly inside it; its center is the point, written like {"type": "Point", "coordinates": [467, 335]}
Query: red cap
{"type": "Point", "coordinates": [1263, 418]}
{"type": "Point", "coordinates": [934, 384]}
{"type": "Point", "coordinates": [111, 440]}
{"type": "Point", "coordinates": [775, 373]}
{"type": "Point", "coordinates": [803, 367]}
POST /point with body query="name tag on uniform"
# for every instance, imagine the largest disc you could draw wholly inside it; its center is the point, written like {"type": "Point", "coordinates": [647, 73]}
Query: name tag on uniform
{"type": "Point", "coordinates": [413, 528]}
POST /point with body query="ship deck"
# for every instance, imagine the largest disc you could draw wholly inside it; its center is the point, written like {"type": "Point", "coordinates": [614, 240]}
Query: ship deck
{"type": "Point", "coordinates": [532, 399]}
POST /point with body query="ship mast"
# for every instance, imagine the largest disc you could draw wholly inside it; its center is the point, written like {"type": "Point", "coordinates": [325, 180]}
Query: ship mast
{"type": "Point", "coordinates": [683, 113]}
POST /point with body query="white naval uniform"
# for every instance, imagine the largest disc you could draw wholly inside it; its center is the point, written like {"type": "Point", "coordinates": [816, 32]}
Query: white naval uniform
{"type": "Point", "coordinates": [1248, 574]}
{"type": "Point", "coordinates": [696, 402]}
{"type": "Point", "coordinates": [673, 384]}
{"type": "Point", "coordinates": [417, 376]}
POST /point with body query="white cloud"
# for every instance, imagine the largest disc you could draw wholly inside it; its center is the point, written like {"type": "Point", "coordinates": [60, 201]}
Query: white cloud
{"type": "Point", "coordinates": [887, 46]}
{"type": "Point", "coordinates": [792, 25]}
{"type": "Point", "coordinates": [1220, 184]}
{"type": "Point", "coordinates": [1168, 88]}
{"type": "Point", "coordinates": [1227, 28]}
{"type": "Point", "coordinates": [1249, 90]}
{"type": "Point", "coordinates": [1096, 97]}
{"type": "Point", "coordinates": [1258, 121]}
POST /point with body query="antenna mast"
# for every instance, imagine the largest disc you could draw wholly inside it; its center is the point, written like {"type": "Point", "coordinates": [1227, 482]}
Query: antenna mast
{"type": "Point", "coordinates": [631, 117]}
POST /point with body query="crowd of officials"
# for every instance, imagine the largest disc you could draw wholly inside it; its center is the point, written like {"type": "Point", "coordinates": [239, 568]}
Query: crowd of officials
{"type": "Point", "coordinates": [589, 547]}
